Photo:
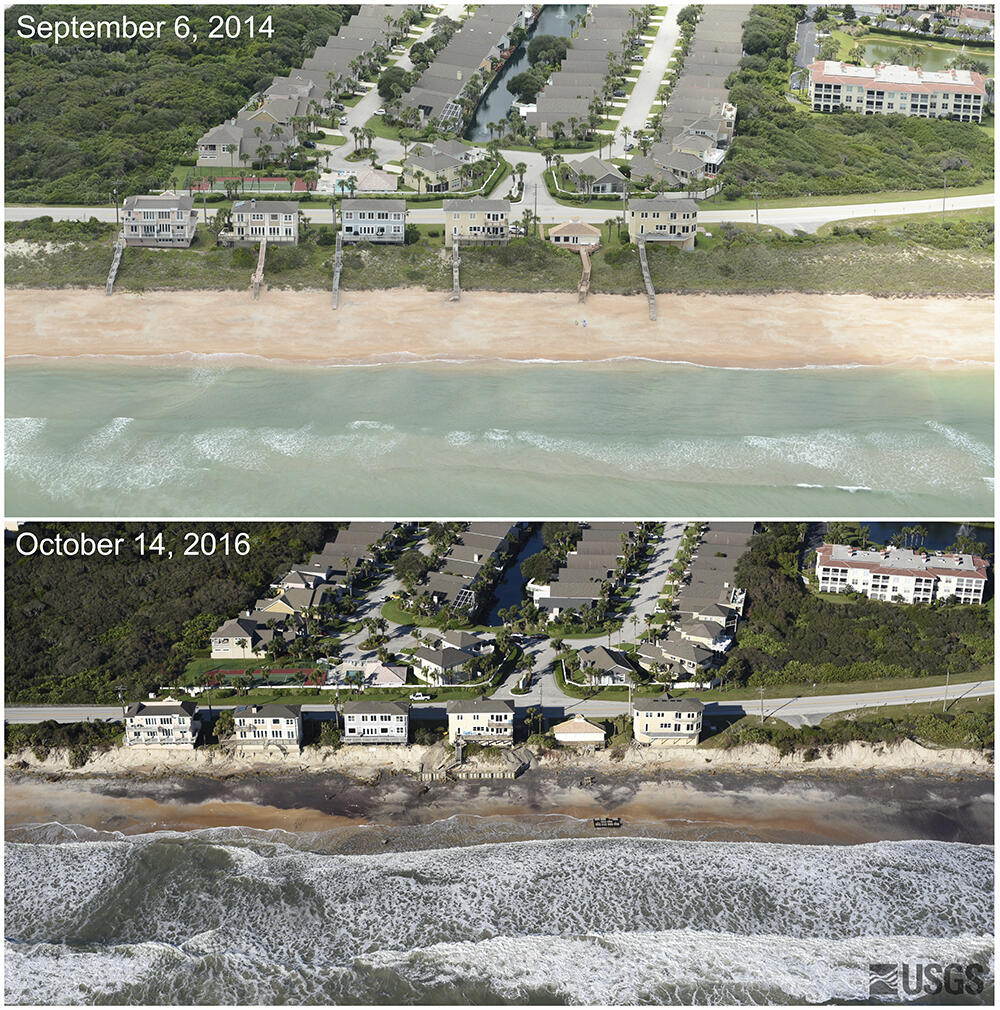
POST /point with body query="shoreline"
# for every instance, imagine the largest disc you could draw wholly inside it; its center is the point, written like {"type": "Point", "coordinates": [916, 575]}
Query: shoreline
{"type": "Point", "coordinates": [406, 325]}
{"type": "Point", "coordinates": [339, 811]}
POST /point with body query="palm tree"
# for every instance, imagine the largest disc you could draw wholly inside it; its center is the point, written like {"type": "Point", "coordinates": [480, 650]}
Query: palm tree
{"type": "Point", "coordinates": [519, 169]}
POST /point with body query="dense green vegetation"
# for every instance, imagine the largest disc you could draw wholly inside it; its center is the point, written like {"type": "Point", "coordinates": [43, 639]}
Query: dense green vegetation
{"type": "Point", "coordinates": [78, 627]}
{"type": "Point", "coordinates": [782, 150]}
{"type": "Point", "coordinates": [81, 739]}
{"type": "Point", "coordinates": [86, 115]}
{"type": "Point", "coordinates": [960, 729]}
{"type": "Point", "coordinates": [950, 258]}
{"type": "Point", "coordinates": [791, 636]}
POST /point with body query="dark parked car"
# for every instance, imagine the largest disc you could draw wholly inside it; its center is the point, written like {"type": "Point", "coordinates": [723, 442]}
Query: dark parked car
{"type": "Point", "coordinates": [308, 143]}
{"type": "Point", "coordinates": [339, 106]}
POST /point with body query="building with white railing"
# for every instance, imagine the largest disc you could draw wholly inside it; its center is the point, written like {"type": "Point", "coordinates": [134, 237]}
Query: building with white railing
{"type": "Point", "coordinates": [901, 575]}
{"type": "Point", "coordinates": [168, 723]}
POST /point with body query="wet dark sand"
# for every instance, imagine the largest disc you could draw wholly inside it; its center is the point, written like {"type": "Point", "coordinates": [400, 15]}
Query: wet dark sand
{"type": "Point", "coordinates": [821, 809]}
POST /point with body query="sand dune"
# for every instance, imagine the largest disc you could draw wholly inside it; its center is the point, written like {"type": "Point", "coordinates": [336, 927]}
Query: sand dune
{"type": "Point", "coordinates": [773, 331]}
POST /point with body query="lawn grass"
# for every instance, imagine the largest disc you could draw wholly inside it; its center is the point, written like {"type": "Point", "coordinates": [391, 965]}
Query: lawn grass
{"type": "Point", "coordinates": [974, 214]}
{"type": "Point", "coordinates": [846, 199]}
{"type": "Point", "coordinates": [840, 687]}
{"type": "Point", "coordinates": [394, 611]}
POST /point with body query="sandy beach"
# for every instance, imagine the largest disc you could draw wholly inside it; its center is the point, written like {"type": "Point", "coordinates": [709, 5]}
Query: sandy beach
{"type": "Point", "coordinates": [748, 331]}
{"type": "Point", "coordinates": [754, 803]}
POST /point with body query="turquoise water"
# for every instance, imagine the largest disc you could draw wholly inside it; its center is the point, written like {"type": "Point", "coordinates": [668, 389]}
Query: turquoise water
{"type": "Point", "coordinates": [209, 438]}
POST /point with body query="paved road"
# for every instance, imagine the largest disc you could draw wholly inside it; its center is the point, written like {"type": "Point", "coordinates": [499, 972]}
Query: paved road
{"type": "Point", "coordinates": [640, 101]}
{"type": "Point", "coordinates": [786, 218]}
{"type": "Point", "coordinates": [805, 35]}
{"type": "Point", "coordinates": [797, 710]}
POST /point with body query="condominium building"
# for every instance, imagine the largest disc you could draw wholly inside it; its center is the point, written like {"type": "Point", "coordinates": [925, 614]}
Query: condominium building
{"type": "Point", "coordinates": [476, 221]}
{"type": "Point", "coordinates": [275, 220]}
{"type": "Point", "coordinates": [268, 725]}
{"type": "Point", "coordinates": [373, 221]}
{"type": "Point", "coordinates": [483, 720]}
{"type": "Point", "coordinates": [901, 575]}
{"type": "Point", "coordinates": [167, 220]}
{"type": "Point", "coordinates": [376, 722]}
{"type": "Point", "coordinates": [664, 220]}
{"type": "Point", "coordinates": [167, 723]}
{"type": "Point", "coordinates": [666, 721]}
{"type": "Point", "coordinates": [897, 90]}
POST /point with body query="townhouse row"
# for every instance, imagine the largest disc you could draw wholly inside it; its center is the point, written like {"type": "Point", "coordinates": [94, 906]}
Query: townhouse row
{"type": "Point", "coordinates": [269, 124]}
{"type": "Point", "coordinates": [174, 725]}
{"type": "Point", "coordinates": [303, 589]}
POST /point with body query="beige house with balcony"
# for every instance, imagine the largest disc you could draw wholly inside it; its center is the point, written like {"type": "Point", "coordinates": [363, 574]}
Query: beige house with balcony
{"type": "Point", "coordinates": [477, 221]}
{"type": "Point", "coordinates": [161, 222]}
{"type": "Point", "coordinates": [254, 220]}
{"type": "Point", "coordinates": [667, 722]}
{"type": "Point", "coordinates": [168, 723]}
{"type": "Point", "coordinates": [482, 720]}
{"type": "Point", "coordinates": [664, 220]}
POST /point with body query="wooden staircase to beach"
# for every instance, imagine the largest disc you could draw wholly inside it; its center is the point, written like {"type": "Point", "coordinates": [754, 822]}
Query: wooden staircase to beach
{"type": "Point", "coordinates": [456, 262]}
{"type": "Point", "coordinates": [115, 263]}
{"type": "Point", "coordinates": [257, 279]}
{"type": "Point", "coordinates": [583, 289]}
{"type": "Point", "coordinates": [338, 266]}
{"type": "Point", "coordinates": [647, 279]}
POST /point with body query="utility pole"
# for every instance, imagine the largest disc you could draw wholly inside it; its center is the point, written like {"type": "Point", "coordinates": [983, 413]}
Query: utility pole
{"type": "Point", "coordinates": [762, 706]}
{"type": "Point", "coordinates": [947, 682]}
{"type": "Point", "coordinates": [115, 191]}
{"type": "Point", "coordinates": [944, 199]}
{"type": "Point", "coordinates": [756, 204]}
{"type": "Point", "coordinates": [534, 190]}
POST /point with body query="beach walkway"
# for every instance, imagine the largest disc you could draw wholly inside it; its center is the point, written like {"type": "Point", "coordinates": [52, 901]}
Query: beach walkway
{"type": "Point", "coordinates": [257, 278]}
{"type": "Point", "coordinates": [115, 263]}
{"type": "Point", "coordinates": [338, 266]}
{"type": "Point", "coordinates": [650, 292]}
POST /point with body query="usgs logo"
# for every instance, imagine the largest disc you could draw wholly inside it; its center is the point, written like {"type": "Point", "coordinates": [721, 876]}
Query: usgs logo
{"type": "Point", "coordinates": [924, 978]}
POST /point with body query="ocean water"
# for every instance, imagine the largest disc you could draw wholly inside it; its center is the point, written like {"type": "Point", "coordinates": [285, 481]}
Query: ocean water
{"type": "Point", "coordinates": [206, 437]}
{"type": "Point", "coordinates": [241, 916]}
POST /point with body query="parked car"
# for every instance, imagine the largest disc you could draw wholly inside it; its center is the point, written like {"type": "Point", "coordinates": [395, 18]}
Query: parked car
{"type": "Point", "coordinates": [342, 120]}
{"type": "Point", "coordinates": [420, 697]}
{"type": "Point", "coordinates": [339, 106]}
{"type": "Point", "coordinates": [380, 112]}
{"type": "Point", "coordinates": [308, 143]}
{"type": "Point", "coordinates": [630, 147]}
